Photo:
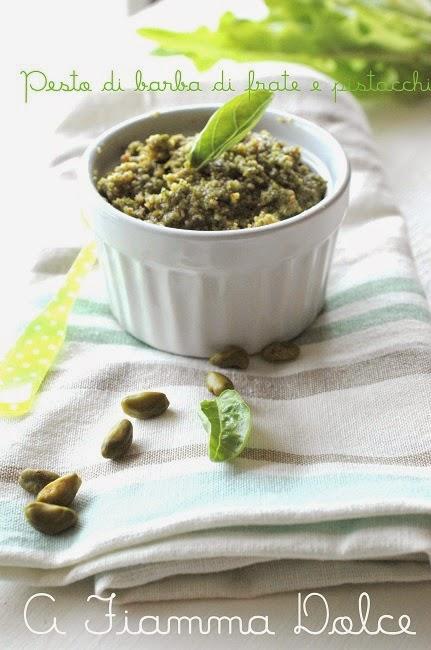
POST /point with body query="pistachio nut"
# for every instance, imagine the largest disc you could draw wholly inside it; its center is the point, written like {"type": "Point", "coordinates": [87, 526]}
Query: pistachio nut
{"type": "Point", "coordinates": [279, 352]}
{"type": "Point", "coordinates": [231, 357]}
{"type": "Point", "coordinates": [33, 480]}
{"type": "Point", "coordinates": [118, 441]}
{"type": "Point", "coordinates": [62, 491]}
{"type": "Point", "coordinates": [148, 404]}
{"type": "Point", "coordinates": [48, 518]}
{"type": "Point", "coordinates": [217, 383]}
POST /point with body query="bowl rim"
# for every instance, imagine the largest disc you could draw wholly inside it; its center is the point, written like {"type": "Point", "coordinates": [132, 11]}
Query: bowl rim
{"type": "Point", "coordinates": [86, 179]}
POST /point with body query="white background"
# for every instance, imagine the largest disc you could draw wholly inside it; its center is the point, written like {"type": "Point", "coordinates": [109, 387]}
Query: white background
{"type": "Point", "coordinates": [92, 36]}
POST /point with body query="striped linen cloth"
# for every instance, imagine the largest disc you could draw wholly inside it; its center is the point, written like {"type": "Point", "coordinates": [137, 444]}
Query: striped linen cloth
{"type": "Point", "coordinates": [335, 485]}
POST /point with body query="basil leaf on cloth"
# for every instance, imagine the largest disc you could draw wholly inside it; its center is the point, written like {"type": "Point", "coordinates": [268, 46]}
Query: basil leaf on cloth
{"type": "Point", "coordinates": [227, 419]}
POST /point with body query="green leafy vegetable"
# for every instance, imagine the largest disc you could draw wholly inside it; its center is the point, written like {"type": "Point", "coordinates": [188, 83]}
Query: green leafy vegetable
{"type": "Point", "coordinates": [229, 125]}
{"type": "Point", "coordinates": [227, 419]}
{"type": "Point", "coordinates": [342, 38]}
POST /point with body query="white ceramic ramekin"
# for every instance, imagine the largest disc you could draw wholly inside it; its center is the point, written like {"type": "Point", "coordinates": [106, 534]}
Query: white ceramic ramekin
{"type": "Point", "coordinates": [191, 292]}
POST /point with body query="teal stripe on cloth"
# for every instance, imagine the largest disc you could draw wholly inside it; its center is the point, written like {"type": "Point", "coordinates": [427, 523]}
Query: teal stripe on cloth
{"type": "Point", "coordinates": [85, 334]}
{"type": "Point", "coordinates": [372, 318]}
{"type": "Point", "coordinates": [371, 289]}
{"type": "Point", "coordinates": [85, 307]}
{"type": "Point", "coordinates": [138, 506]}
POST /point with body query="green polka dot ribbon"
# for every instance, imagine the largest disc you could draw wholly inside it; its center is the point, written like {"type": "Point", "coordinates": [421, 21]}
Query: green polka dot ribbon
{"type": "Point", "coordinates": [26, 364]}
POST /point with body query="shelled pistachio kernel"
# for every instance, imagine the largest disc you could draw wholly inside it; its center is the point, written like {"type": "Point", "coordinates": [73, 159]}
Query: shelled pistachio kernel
{"type": "Point", "coordinates": [62, 491]}
{"type": "Point", "coordinates": [33, 480]}
{"type": "Point", "coordinates": [232, 357]}
{"type": "Point", "coordinates": [145, 405]}
{"type": "Point", "coordinates": [49, 518]}
{"type": "Point", "coordinates": [118, 441]}
{"type": "Point", "coordinates": [217, 383]}
{"type": "Point", "coordinates": [280, 352]}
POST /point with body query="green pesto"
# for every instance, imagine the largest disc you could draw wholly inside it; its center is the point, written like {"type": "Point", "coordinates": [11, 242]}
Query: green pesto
{"type": "Point", "coordinates": [258, 181]}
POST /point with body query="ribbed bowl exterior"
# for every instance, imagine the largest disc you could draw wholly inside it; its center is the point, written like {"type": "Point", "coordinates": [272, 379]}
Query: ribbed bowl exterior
{"type": "Point", "coordinates": [192, 292]}
{"type": "Point", "coordinates": [196, 314]}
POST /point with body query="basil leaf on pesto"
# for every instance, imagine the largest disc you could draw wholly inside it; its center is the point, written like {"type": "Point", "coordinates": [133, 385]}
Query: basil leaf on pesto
{"type": "Point", "coordinates": [229, 125]}
{"type": "Point", "coordinates": [227, 419]}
